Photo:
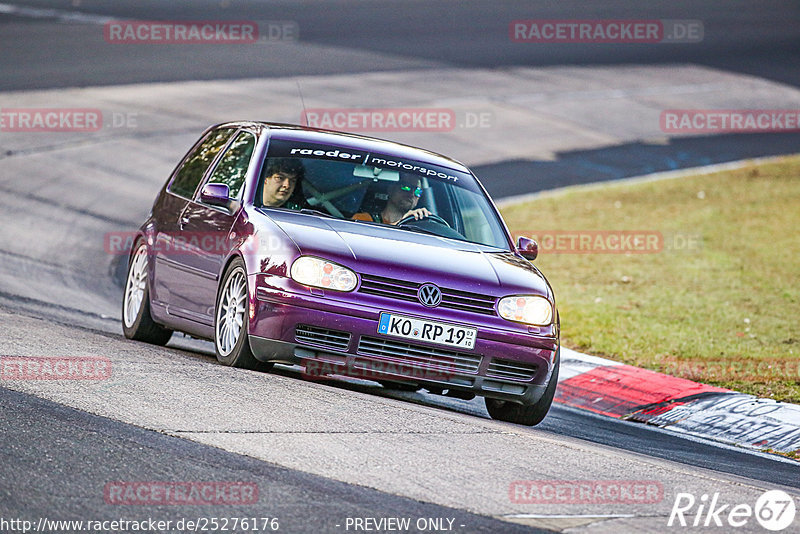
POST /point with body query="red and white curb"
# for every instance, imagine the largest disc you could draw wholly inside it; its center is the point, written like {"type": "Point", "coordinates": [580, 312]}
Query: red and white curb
{"type": "Point", "coordinates": [617, 390]}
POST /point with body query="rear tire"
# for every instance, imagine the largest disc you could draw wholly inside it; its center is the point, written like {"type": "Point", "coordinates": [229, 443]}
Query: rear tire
{"type": "Point", "coordinates": [232, 321]}
{"type": "Point", "coordinates": [137, 323]}
{"type": "Point", "coordinates": [531, 414]}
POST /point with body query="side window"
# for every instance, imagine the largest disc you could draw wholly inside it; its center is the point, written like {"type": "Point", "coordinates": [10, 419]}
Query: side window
{"type": "Point", "coordinates": [197, 163]}
{"type": "Point", "coordinates": [232, 168]}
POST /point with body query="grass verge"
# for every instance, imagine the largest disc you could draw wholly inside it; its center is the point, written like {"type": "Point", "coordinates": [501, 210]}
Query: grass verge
{"type": "Point", "coordinates": [713, 297]}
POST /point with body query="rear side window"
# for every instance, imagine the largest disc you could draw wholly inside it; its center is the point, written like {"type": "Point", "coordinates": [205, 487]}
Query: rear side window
{"type": "Point", "coordinates": [197, 162]}
{"type": "Point", "coordinates": [232, 167]}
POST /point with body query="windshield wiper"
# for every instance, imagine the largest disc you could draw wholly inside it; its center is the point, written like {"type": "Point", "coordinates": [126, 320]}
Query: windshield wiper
{"type": "Point", "coordinates": [312, 211]}
{"type": "Point", "coordinates": [457, 237]}
{"type": "Point", "coordinates": [418, 230]}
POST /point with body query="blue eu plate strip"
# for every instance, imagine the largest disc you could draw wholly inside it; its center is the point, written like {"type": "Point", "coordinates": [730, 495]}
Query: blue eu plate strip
{"type": "Point", "coordinates": [383, 324]}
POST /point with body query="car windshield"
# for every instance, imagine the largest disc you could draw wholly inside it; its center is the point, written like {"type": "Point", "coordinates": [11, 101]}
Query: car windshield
{"type": "Point", "coordinates": [371, 188]}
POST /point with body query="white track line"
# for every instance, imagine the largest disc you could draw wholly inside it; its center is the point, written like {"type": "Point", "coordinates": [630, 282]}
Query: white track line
{"type": "Point", "coordinates": [57, 14]}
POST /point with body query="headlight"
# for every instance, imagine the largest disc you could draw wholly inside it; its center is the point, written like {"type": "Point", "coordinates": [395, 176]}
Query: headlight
{"type": "Point", "coordinates": [316, 272]}
{"type": "Point", "coordinates": [530, 310]}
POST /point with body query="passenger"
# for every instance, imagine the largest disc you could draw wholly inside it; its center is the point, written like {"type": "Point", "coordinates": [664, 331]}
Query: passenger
{"type": "Point", "coordinates": [402, 202]}
{"type": "Point", "coordinates": [281, 179]}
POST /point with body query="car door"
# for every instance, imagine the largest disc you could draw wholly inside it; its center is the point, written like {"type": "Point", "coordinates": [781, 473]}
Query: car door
{"type": "Point", "coordinates": [170, 281]}
{"type": "Point", "coordinates": [206, 230]}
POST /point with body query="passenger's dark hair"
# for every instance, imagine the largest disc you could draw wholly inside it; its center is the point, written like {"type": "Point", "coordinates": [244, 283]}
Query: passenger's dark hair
{"type": "Point", "coordinates": [291, 166]}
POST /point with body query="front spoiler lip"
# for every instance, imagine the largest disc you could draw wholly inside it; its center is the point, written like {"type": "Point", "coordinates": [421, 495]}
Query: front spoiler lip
{"type": "Point", "coordinates": [344, 364]}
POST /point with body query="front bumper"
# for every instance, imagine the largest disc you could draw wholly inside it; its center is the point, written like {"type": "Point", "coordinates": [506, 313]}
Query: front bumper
{"type": "Point", "coordinates": [333, 337]}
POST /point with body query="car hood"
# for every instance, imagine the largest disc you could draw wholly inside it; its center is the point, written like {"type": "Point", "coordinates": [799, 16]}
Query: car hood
{"type": "Point", "coordinates": [406, 255]}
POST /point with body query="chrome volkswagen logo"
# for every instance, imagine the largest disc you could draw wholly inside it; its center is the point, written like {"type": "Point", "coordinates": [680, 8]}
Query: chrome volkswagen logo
{"type": "Point", "coordinates": [429, 295]}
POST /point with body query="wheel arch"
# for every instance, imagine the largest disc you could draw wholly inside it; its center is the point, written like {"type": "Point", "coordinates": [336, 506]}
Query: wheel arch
{"type": "Point", "coordinates": [141, 237]}
{"type": "Point", "coordinates": [235, 254]}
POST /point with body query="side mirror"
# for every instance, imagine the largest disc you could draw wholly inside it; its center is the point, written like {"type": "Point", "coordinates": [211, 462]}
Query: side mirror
{"type": "Point", "coordinates": [528, 248]}
{"type": "Point", "coordinates": [216, 195]}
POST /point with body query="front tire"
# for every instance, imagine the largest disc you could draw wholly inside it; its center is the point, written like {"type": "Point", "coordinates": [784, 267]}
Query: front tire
{"type": "Point", "coordinates": [531, 414]}
{"type": "Point", "coordinates": [232, 321]}
{"type": "Point", "coordinates": [137, 323]}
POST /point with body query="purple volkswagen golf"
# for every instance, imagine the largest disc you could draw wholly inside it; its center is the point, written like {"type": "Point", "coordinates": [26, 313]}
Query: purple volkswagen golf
{"type": "Point", "coordinates": [349, 256]}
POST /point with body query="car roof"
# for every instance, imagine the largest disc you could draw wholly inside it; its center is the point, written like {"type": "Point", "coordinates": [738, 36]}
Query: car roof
{"type": "Point", "coordinates": [294, 132]}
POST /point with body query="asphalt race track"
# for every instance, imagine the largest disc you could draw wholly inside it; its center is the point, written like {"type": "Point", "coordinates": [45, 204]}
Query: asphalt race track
{"type": "Point", "coordinates": [323, 453]}
{"type": "Point", "coordinates": [351, 36]}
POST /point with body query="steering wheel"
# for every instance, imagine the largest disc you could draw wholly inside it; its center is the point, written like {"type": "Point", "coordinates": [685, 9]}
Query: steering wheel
{"type": "Point", "coordinates": [433, 217]}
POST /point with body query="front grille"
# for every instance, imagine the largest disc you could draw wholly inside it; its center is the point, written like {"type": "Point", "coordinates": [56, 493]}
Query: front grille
{"type": "Point", "coordinates": [389, 287]}
{"type": "Point", "coordinates": [403, 290]}
{"type": "Point", "coordinates": [470, 302]}
{"type": "Point", "coordinates": [447, 360]}
{"type": "Point", "coordinates": [511, 370]}
{"type": "Point", "coordinates": [323, 337]}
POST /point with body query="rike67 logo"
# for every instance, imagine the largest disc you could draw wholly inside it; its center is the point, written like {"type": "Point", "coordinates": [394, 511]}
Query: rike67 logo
{"type": "Point", "coordinates": [774, 510]}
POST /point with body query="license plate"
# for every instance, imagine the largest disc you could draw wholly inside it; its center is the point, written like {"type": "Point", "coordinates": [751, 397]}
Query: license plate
{"type": "Point", "coordinates": [394, 325]}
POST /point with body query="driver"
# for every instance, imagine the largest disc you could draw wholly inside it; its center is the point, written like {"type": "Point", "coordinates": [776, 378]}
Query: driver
{"type": "Point", "coordinates": [402, 202]}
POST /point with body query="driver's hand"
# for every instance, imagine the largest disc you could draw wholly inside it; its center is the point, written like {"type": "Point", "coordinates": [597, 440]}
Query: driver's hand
{"type": "Point", "coordinates": [419, 213]}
